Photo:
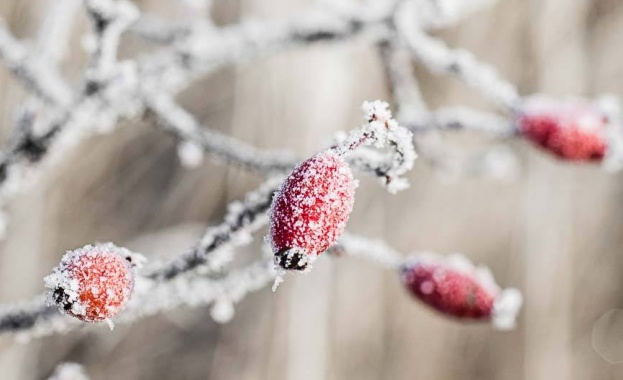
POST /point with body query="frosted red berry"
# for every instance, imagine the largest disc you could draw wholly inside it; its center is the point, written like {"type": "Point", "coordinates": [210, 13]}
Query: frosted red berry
{"type": "Point", "coordinates": [92, 283]}
{"type": "Point", "coordinates": [455, 288]}
{"type": "Point", "coordinates": [571, 130]}
{"type": "Point", "coordinates": [311, 210]}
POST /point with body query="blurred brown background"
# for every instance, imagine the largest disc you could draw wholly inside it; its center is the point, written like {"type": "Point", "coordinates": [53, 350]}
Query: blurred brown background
{"type": "Point", "coordinates": [555, 233]}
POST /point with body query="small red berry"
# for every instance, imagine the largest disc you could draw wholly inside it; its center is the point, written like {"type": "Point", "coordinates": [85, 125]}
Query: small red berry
{"type": "Point", "coordinates": [311, 210]}
{"type": "Point", "coordinates": [92, 283]}
{"type": "Point", "coordinates": [454, 287]}
{"type": "Point", "coordinates": [571, 130]}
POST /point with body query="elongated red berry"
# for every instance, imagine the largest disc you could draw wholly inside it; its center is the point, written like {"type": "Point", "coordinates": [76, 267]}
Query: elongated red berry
{"type": "Point", "coordinates": [455, 288]}
{"type": "Point", "coordinates": [571, 130]}
{"type": "Point", "coordinates": [311, 210]}
{"type": "Point", "coordinates": [92, 283]}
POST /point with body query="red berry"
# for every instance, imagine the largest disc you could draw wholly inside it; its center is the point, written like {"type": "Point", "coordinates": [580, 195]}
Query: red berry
{"type": "Point", "coordinates": [572, 130]}
{"type": "Point", "coordinates": [454, 287]}
{"type": "Point", "coordinates": [92, 284]}
{"type": "Point", "coordinates": [311, 210]}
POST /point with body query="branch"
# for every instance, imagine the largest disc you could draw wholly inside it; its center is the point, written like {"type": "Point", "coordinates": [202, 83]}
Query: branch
{"type": "Point", "coordinates": [201, 53]}
{"type": "Point", "coordinates": [33, 74]}
{"type": "Point", "coordinates": [437, 57]}
{"type": "Point", "coordinates": [55, 32]}
{"type": "Point", "coordinates": [153, 296]}
{"type": "Point", "coordinates": [181, 124]}
{"type": "Point", "coordinates": [403, 85]}
{"type": "Point", "coordinates": [242, 219]}
{"type": "Point", "coordinates": [463, 119]}
{"type": "Point", "coordinates": [435, 14]}
{"type": "Point", "coordinates": [69, 371]}
{"type": "Point", "coordinates": [109, 20]}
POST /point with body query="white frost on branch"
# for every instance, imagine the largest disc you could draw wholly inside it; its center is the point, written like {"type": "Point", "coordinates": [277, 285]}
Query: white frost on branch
{"type": "Point", "coordinates": [438, 57]}
{"type": "Point", "coordinates": [174, 119]}
{"type": "Point", "coordinates": [54, 34]}
{"type": "Point", "coordinates": [118, 93]}
{"type": "Point", "coordinates": [214, 248]}
{"type": "Point", "coordinates": [434, 14]}
{"type": "Point", "coordinates": [190, 153]}
{"type": "Point", "coordinates": [464, 119]}
{"type": "Point", "coordinates": [69, 371]}
{"type": "Point", "coordinates": [381, 131]}
{"type": "Point", "coordinates": [109, 19]}
{"type": "Point", "coordinates": [34, 74]}
{"type": "Point", "coordinates": [376, 251]}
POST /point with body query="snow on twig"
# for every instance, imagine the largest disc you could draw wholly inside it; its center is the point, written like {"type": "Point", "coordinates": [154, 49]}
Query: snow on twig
{"type": "Point", "coordinates": [31, 72]}
{"type": "Point", "coordinates": [69, 371]}
{"type": "Point", "coordinates": [177, 121]}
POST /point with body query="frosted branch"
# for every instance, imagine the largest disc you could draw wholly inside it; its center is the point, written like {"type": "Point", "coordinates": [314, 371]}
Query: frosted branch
{"type": "Point", "coordinates": [381, 131]}
{"type": "Point", "coordinates": [373, 250]}
{"type": "Point", "coordinates": [439, 58]}
{"type": "Point", "coordinates": [434, 14]}
{"type": "Point", "coordinates": [402, 83]}
{"type": "Point", "coordinates": [177, 121]}
{"type": "Point", "coordinates": [25, 315]}
{"type": "Point", "coordinates": [166, 72]}
{"type": "Point", "coordinates": [463, 119]}
{"type": "Point", "coordinates": [201, 53]}
{"type": "Point", "coordinates": [495, 163]}
{"type": "Point", "coordinates": [33, 73]}
{"type": "Point", "coordinates": [55, 32]}
{"type": "Point", "coordinates": [153, 296]}
{"type": "Point", "coordinates": [194, 289]}
{"type": "Point", "coordinates": [109, 20]}
{"type": "Point", "coordinates": [155, 30]}
{"type": "Point", "coordinates": [69, 371]}
{"type": "Point", "coordinates": [241, 220]}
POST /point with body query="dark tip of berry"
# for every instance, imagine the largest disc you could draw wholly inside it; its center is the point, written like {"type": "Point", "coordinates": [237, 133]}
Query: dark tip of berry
{"type": "Point", "coordinates": [290, 259]}
{"type": "Point", "coordinates": [62, 299]}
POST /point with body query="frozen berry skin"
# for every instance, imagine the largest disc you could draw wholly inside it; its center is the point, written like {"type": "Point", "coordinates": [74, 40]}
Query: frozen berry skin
{"type": "Point", "coordinates": [454, 287]}
{"type": "Point", "coordinates": [572, 130]}
{"type": "Point", "coordinates": [311, 210]}
{"type": "Point", "coordinates": [92, 283]}
{"type": "Point", "coordinates": [449, 291]}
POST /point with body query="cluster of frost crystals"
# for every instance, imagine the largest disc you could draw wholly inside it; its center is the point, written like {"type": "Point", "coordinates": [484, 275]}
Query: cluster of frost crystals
{"type": "Point", "coordinates": [507, 302]}
{"type": "Point", "coordinates": [69, 371]}
{"type": "Point", "coordinates": [383, 132]}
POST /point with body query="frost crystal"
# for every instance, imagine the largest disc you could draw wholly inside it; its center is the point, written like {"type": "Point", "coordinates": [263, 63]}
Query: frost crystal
{"type": "Point", "coordinates": [190, 154]}
{"type": "Point", "coordinates": [222, 311]}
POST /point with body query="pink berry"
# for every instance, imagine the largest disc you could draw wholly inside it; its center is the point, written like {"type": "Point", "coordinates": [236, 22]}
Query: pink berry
{"type": "Point", "coordinates": [92, 283]}
{"type": "Point", "coordinates": [311, 210]}
{"type": "Point", "coordinates": [572, 130]}
{"type": "Point", "coordinates": [455, 288]}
